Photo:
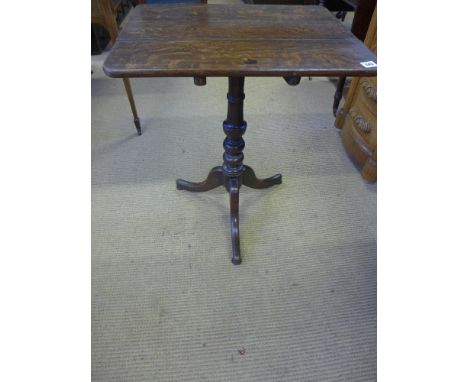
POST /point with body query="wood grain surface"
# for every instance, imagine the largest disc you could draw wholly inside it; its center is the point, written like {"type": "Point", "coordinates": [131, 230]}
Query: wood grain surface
{"type": "Point", "coordinates": [358, 117]}
{"type": "Point", "coordinates": [236, 40]}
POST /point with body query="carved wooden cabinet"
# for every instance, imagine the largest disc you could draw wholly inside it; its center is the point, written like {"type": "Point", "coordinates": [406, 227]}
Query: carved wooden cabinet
{"type": "Point", "coordinates": [358, 117]}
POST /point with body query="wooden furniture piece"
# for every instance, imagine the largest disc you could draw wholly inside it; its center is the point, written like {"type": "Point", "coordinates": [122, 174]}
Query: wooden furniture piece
{"type": "Point", "coordinates": [120, 9]}
{"type": "Point", "coordinates": [358, 117]}
{"type": "Point", "coordinates": [342, 7]}
{"type": "Point", "coordinates": [363, 10]}
{"type": "Point", "coordinates": [99, 35]}
{"type": "Point", "coordinates": [103, 13]}
{"type": "Point", "coordinates": [235, 41]}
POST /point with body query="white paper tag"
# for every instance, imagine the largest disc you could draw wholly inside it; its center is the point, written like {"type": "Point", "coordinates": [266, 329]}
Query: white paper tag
{"type": "Point", "coordinates": [369, 64]}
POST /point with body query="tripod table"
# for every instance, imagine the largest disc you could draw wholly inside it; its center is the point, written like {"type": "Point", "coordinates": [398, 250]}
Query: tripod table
{"type": "Point", "coordinates": [236, 41]}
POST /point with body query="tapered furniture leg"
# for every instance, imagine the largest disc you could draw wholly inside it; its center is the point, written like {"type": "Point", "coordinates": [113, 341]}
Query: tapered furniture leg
{"type": "Point", "coordinates": [102, 13]}
{"type": "Point", "coordinates": [249, 179]}
{"type": "Point", "coordinates": [338, 94]}
{"type": "Point", "coordinates": [214, 179]}
{"type": "Point", "coordinates": [128, 89]}
{"type": "Point", "coordinates": [233, 173]}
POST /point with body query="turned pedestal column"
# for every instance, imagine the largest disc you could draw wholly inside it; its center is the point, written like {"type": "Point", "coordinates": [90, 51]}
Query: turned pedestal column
{"type": "Point", "coordinates": [233, 173]}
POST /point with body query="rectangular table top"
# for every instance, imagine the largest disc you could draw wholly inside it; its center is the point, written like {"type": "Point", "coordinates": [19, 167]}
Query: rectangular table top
{"type": "Point", "coordinates": [236, 40]}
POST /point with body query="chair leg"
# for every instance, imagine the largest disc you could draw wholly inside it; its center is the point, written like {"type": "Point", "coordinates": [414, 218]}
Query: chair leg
{"type": "Point", "coordinates": [128, 89]}
{"type": "Point", "coordinates": [341, 15]}
{"type": "Point", "coordinates": [338, 94]}
{"type": "Point", "coordinates": [110, 24]}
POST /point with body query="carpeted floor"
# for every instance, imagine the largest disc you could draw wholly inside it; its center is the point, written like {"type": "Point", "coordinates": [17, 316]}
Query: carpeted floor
{"type": "Point", "coordinates": [167, 304]}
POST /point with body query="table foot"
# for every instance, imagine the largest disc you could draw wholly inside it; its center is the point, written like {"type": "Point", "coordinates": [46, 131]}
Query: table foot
{"type": "Point", "coordinates": [214, 179]}
{"type": "Point", "coordinates": [136, 121]}
{"type": "Point", "coordinates": [249, 179]}
{"type": "Point", "coordinates": [217, 177]}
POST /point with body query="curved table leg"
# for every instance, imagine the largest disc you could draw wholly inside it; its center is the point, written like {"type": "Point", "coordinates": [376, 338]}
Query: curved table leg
{"type": "Point", "coordinates": [249, 179]}
{"type": "Point", "coordinates": [234, 186]}
{"type": "Point", "coordinates": [214, 179]}
{"type": "Point", "coordinates": [233, 173]}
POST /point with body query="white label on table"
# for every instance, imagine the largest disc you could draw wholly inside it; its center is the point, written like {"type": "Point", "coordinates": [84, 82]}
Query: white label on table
{"type": "Point", "coordinates": [369, 64]}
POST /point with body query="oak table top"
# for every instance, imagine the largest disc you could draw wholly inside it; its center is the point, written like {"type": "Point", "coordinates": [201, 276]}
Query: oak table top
{"type": "Point", "coordinates": [186, 40]}
{"type": "Point", "coordinates": [235, 41]}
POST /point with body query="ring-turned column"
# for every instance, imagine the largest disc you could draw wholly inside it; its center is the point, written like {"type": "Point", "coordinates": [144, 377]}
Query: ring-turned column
{"type": "Point", "coordinates": [233, 173]}
{"type": "Point", "coordinates": [234, 127]}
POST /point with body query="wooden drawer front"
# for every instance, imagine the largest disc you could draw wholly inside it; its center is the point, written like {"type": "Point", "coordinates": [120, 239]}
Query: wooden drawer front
{"type": "Point", "coordinates": [362, 114]}
{"type": "Point", "coordinates": [369, 86]}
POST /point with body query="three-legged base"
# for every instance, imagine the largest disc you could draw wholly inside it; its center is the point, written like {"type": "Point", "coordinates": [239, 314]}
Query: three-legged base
{"type": "Point", "coordinates": [233, 173]}
{"type": "Point", "coordinates": [232, 183]}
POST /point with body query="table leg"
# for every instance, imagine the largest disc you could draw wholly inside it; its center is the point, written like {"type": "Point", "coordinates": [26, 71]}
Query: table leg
{"type": "Point", "coordinates": [249, 179]}
{"type": "Point", "coordinates": [233, 173]}
{"type": "Point", "coordinates": [128, 89]}
{"type": "Point", "coordinates": [234, 187]}
{"type": "Point", "coordinates": [214, 179]}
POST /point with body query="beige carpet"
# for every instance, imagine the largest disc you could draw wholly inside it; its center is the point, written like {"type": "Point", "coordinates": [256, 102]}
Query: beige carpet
{"type": "Point", "coordinates": [167, 304]}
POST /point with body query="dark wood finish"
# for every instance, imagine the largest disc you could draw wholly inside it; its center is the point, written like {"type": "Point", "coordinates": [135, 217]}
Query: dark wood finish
{"type": "Point", "coordinates": [199, 81]}
{"type": "Point", "coordinates": [235, 42]}
{"type": "Point", "coordinates": [103, 13]}
{"type": "Point", "coordinates": [338, 93]}
{"type": "Point", "coordinates": [249, 179]}
{"type": "Point", "coordinates": [363, 10]}
{"type": "Point", "coordinates": [214, 179]}
{"type": "Point", "coordinates": [100, 37]}
{"type": "Point", "coordinates": [293, 81]}
{"type": "Point", "coordinates": [337, 5]}
{"type": "Point", "coordinates": [358, 117]}
{"type": "Point", "coordinates": [230, 40]}
{"type": "Point", "coordinates": [233, 173]}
